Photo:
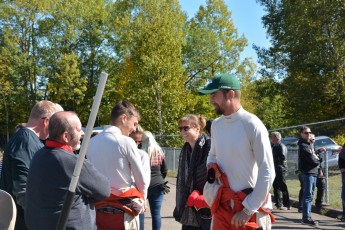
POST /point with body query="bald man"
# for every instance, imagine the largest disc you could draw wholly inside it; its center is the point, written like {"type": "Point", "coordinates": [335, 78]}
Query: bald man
{"type": "Point", "coordinates": [50, 175]}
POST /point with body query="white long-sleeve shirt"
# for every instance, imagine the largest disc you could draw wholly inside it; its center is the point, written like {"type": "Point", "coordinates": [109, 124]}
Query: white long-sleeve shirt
{"type": "Point", "coordinates": [145, 161]}
{"type": "Point", "coordinates": [241, 147]}
{"type": "Point", "coordinates": [116, 156]}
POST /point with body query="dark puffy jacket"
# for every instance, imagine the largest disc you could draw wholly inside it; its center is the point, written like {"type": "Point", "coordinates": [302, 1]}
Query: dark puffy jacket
{"type": "Point", "coordinates": [307, 161]}
{"type": "Point", "coordinates": [341, 158]}
{"type": "Point", "coordinates": [280, 157]}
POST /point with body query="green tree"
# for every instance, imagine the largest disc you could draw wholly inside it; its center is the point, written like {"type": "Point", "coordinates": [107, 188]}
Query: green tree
{"type": "Point", "coordinates": [19, 68]}
{"type": "Point", "coordinates": [213, 45]}
{"type": "Point", "coordinates": [307, 53]}
{"type": "Point", "coordinates": [270, 107]}
{"type": "Point", "coordinates": [68, 76]}
{"type": "Point", "coordinates": [75, 52]}
{"type": "Point", "coordinates": [151, 77]}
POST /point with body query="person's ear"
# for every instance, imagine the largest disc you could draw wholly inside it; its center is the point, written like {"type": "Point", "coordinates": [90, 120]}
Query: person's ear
{"type": "Point", "coordinates": [123, 118]}
{"type": "Point", "coordinates": [45, 122]}
{"type": "Point", "coordinates": [64, 136]}
{"type": "Point", "coordinates": [231, 94]}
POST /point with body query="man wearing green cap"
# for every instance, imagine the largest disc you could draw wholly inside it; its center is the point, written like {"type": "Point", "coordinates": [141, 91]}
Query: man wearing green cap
{"type": "Point", "coordinates": [240, 147]}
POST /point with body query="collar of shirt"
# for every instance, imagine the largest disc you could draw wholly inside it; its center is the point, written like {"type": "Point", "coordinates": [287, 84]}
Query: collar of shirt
{"type": "Point", "coordinates": [234, 116]}
{"type": "Point", "coordinates": [112, 129]}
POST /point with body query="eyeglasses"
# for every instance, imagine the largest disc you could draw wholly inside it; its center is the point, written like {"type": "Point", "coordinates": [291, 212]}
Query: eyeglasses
{"type": "Point", "coordinates": [185, 128]}
{"type": "Point", "coordinates": [307, 132]}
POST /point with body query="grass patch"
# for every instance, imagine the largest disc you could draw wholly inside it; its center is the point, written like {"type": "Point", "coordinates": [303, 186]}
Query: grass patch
{"type": "Point", "coordinates": [334, 189]}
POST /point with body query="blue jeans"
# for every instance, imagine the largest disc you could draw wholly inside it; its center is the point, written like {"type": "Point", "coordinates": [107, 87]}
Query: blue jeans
{"type": "Point", "coordinates": [309, 184]}
{"type": "Point", "coordinates": [343, 191]}
{"type": "Point", "coordinates": [155, 197]}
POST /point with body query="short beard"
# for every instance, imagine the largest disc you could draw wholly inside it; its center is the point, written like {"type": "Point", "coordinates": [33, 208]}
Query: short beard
{"type": "Point", "coordinates": [218, 110]}
{"type": "Point", "coordinates": [77, 147]}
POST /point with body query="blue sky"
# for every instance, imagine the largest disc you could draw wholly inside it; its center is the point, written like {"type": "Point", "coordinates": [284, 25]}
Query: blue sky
{"type": "Point", "coordinates": [246, 15]}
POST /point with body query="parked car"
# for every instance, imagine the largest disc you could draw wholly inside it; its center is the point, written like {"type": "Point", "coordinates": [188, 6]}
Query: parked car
{"type": "Point", "coordinates": [332, 148]}
{"type": "Point", "coordinates": [288, 141]}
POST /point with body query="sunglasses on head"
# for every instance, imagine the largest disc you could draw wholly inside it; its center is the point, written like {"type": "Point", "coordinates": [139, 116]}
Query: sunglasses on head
{"type": "Point", "coordinates": [185, 128]}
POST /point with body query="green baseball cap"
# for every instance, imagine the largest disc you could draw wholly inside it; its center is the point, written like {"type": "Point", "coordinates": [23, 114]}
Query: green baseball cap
{"type": "Point", "coordinates": [221, 81]}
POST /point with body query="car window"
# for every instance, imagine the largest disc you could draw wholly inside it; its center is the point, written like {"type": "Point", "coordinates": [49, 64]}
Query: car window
{"type": "Point", "coordinates": [289, 140]}
{"type": "Point", "coordinates": [323, 142]}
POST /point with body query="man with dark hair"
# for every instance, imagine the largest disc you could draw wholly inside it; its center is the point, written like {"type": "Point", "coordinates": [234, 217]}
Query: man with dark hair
{"type": "Point", "coordinates": [308, 165]}
{"type": "Point", "coordinates": [19, 152]}
{"type": "Point", "coordinates": [50, 175]}
{"type": "Point", "coordinates": [279, 151]}
{"type": "Point", "coordinates": [115, 154]}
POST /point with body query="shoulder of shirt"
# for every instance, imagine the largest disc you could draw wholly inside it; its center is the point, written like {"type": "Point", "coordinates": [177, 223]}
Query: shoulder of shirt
{"type": "Point", "coordinates": [23, 135]}
{"type": "Point", "coordinates": [143, 153]}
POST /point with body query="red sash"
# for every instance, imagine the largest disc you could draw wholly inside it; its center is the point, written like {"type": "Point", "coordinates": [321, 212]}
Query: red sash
{"type": "Point", "coordinates": [115, 220]}
{"type": "Point", "coordinates": [222, 212]}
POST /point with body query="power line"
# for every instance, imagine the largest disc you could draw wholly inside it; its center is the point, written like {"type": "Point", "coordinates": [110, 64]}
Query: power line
{"type": "Point", "coordinates": [309, 124]}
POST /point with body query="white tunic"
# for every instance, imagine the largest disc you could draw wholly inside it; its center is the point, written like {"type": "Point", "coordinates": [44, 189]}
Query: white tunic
{"type": "Point", "coordinates": [117, 157]}
{"type": "Point", "coordinates": [241, 147]}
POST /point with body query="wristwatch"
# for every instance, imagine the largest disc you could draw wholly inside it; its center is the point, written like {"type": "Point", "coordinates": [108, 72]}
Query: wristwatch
{"type": "Point", "coordinates": [247, 212]}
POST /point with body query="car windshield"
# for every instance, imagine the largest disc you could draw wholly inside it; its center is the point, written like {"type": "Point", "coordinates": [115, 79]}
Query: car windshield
{"type": "Point", "coordinates": [324, 142]}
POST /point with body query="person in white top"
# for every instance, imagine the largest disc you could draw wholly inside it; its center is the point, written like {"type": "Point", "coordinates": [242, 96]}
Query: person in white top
{"type": "Point", "coordinates": [240, 146]}
{"type": "Point", "coordinates": [116, 155]}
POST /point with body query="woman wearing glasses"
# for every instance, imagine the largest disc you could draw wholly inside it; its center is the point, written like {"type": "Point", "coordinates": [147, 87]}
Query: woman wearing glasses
{"type": "Point", "coordinates": [191, 210]}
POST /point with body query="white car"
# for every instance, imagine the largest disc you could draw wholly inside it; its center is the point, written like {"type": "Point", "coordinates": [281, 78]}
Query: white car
{"type": "Point", "coordinates": [332, 150]}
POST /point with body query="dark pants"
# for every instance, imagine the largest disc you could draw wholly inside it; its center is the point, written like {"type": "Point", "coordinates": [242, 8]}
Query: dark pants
{"type": "Point", "coordinates": [343, 191]}
{"type": "Point", "coordinates": [279, 186]}
{"type": "Point", "coordinates": [300, 194]}
{"type": "Point", "coordinates": [20, 221]}
{"type": "Point", "coordinates": [320, 186]}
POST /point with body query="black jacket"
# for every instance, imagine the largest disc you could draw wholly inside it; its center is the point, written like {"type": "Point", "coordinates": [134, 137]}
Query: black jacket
{"type": "Point", "coordinates": [158, 173]}
{"type": "Point", "coordinates": [279, 157]}
{"type": "Point", "coordinates": [341, 158]}
{"type": "Point", "coordinates": [192, 175]}
{"type": "Point", "coordinates": [307, 161]}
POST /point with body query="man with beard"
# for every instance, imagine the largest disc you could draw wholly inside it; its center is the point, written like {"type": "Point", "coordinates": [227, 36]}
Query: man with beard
{"type": "Point", "coordinates": [241, 152]}
{"type": "Point", "coordinates": [50, 176]}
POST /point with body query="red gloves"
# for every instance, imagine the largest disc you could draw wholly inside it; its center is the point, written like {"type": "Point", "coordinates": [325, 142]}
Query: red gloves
{"type": "Point", "coordinates": [196, 200]}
